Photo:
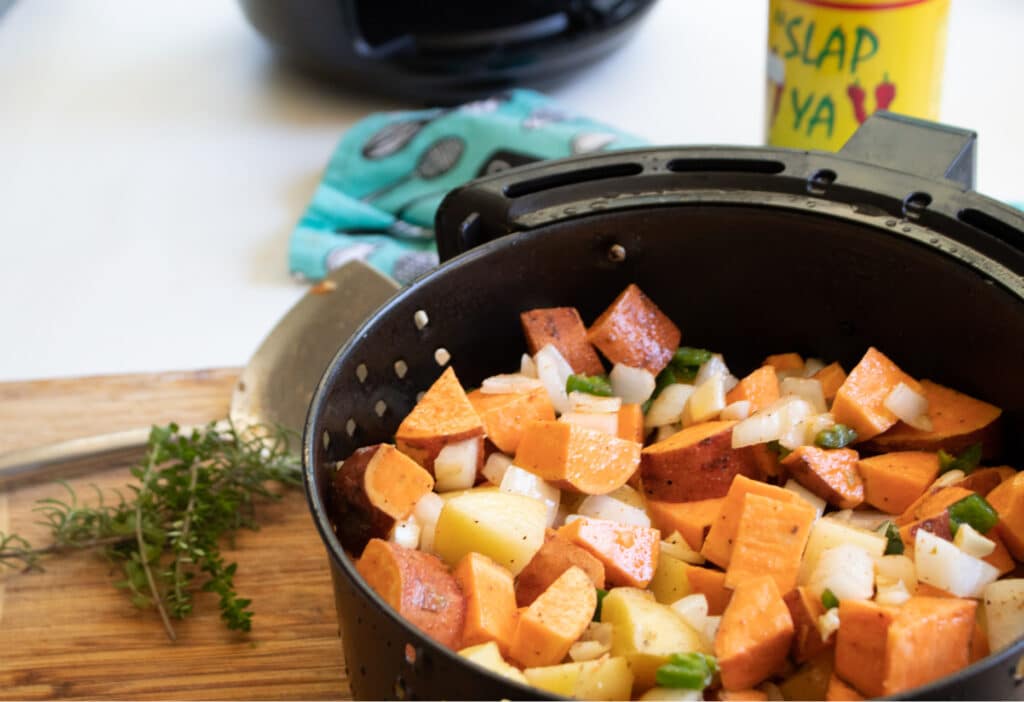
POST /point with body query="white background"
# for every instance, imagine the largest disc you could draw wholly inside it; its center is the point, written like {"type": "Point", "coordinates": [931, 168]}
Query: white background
{"type": "Point", "coordinates": [153, 159]}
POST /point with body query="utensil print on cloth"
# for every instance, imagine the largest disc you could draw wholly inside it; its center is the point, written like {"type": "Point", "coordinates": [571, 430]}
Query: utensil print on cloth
{"type": "Point", "coordinates": [399, 228]}
{"type": "Point", "coordinates": [393, 137]}
{"type": "Point", "coordinates": [439, 158]}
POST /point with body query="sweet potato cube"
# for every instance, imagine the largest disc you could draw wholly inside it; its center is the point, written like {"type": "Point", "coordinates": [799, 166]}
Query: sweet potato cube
{"type": "Point", "coordinates": [505, 416]}
{"type": "Point", "coordinates": [551, 624]}
{"type": "Point", "coordinates": [629, 553]}
{"type": "Point", "coordinates": [784, 361]}
{"type": "Point", "coordinates": [691, 519]}
{"type": "Point", "coordinates": [931, 504]}
{"type": "Point", "coordinates": [562, 328]}
{"type": "Point", "coordinates": [577, 458]}
{"type": "Point", "coordinates": [892, 481]}
{"type": "Point", "coordinates": [490, 601]}
{"type": "Point", "coordinates": [719, 542]}
{"type": "Point", "coordinates": [860, 401]}
{"type": "Point", "coordinates": [838, 691]}
{"type": "Point", "coordinates": [1008, 500]}
{"type": "Point", "coordinates": [418, 586]}
{"type": "Point", "coordinates": [631, 422]}
{"type": "Point", "coordinates": [697, 463]}
{"type": "Point", "coordinates": [444, 415]}
{"type": "Point", "coordinates": [770, 540]}
{"type": "Point", "coordinates": [760, 388]}
{"type": "Point", "coordinates": [371, 490]}
{"type": "Point", "coordinates": [861, 644]}
{"type": "Point", "coordinates": [985, 480]}
{"type": "Point", "coordinates": [556, 556]}
{"type": "Point", "coordinates": [754, 637]}
{"type": "Point", "coordinates": [634, 332]}
{"type": "Point", "coordinates": [805, 609]}
{"type": "Point", "coordinates": [711, 584]}
{"type": "Point", "coordinates": [937, 524]}
{"type": "Point", "coordinates": [831, 378]}
{"type": "Point", "coordinates": [1000, 558]}
{"type": "Point", "coordinates": [958, 421]}
{"type": "Point", "coordinates": [830, 474]}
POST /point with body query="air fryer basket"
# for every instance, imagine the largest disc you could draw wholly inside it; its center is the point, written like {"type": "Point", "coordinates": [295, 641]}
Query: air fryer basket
{"type": "Point", "coordinates": [750, 251]}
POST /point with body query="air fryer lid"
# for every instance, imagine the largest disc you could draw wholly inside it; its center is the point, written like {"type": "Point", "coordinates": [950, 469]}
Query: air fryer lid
{"type": "Point", "coordinates": [750, 251]}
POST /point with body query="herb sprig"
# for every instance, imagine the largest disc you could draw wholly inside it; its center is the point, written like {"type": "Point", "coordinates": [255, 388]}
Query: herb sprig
{"type": "Point", "coordinates": [192, 491]}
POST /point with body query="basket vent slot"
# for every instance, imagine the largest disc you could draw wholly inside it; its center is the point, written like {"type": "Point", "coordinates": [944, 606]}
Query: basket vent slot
{"type": "Point", "coordinates": [725, 165]}
{"type": "Point", "coordinates": [993, 227]}
{"type": "Point", "coordinates": [583, 175]}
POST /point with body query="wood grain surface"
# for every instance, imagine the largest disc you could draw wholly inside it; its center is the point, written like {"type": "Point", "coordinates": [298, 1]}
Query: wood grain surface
{"type": "Point", "coordinates": [68, 633]}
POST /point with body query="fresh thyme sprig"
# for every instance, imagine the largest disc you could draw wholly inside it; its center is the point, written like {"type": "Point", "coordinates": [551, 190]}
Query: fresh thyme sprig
{"type": "Point", "coordinates": [192, 490]}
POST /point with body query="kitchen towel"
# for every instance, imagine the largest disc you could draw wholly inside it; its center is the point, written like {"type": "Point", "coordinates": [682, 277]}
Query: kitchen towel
{"type": "Point", "coordinates": [387, 176]}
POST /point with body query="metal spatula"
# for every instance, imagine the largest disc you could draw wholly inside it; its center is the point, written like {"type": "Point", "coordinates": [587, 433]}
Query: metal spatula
{"type": "Point", "coordinates": [275, 387]}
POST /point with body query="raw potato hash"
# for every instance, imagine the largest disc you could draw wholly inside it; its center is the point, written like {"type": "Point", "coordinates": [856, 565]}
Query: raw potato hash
{"type": "Point", "coordinates": [623, 517]}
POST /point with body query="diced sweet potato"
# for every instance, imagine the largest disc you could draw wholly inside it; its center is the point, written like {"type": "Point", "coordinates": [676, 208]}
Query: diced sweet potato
{"type": "Point", "coordinates": [805, 609]}
{"type": "Point", "coordinates": [634, 332]}
{"type": "Point", "coordinates": [887, 650]}
{"type": "Point", "coordinates": [631, 422]}
{"type": "Point", "coordinates": [770, 540]}
{"type": "Point", "coordinates": [548, 627]}
{"type": "Point", "coordinates": [629, 553]}
{"type": "Point", "coordinates": [931, 504]}
{"type": "Point", "coordinates": [577, 458]}
{"type": "Point", "coordinates": [979, 640]}
{"type": "Point", "coordinates": [505, 416]}
{"type": "Point", "coordinates": [784, 361]}
{"type": "Point", "coordinates": [719, 542]}
{"type": "Point", "coordinates": [831, 378]}
{"type": "Point", "coordinates": [711, 584]}
{"type": "Point", "coordinates": [754, 637]}
{"type": "Point", "coordinates": [418, 586]}
{"type": "Point", "coordinates": [831, 474]}
{"type": "Point", "coordinates": [1008, 500]}
{"type": "Point", "coordinates": [892, 481]}
{"type": "Point", "coordinates": [697, 463]}
{"type": "Point", "coordinates": [556, 556]}
{"type": "Point", "coordinates": [958, 421]}
{"type": "Point", "coordinates": [691, 519]}
{"type": "Point", "coordinates": [1000, 557]}
{"type": "Point", "coordinates": [444, 415]}
{"type": "Point", "coordinates": [937, 524]}
{"type": "Point", "coordinates": [985, 480]}
{"type": "Point", "coordinates": [838, 691]}
{"type": "Point", "coordinates": [371, 490]}
{"type": "Point", "coordinates": [860, 401]}
{"type": "Point", "coordinates": [490, 601]}
{"type": "Point", "coordinates": [760, 388]}
{"type": "Point", "coordinates": [562, 328]}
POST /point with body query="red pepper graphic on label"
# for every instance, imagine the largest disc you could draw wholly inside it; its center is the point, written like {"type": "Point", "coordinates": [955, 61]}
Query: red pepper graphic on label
{"type": "Point", "coordinates": [884, 93]}
{"type": "Point", "coordinates": [857, 95]}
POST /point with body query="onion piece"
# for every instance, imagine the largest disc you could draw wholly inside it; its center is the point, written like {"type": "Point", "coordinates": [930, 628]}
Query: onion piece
{"type": "Point", "coordinates": [693, 609]}
{"type": "Point", "coordinates": [807, 388]}
{"type": "Point", "coordinates": [910, 406]}
{"type": "Point", "coordinates": [553, 370]}
{"type": "Point", "coordinates": [633, 385]}
{"type": "Point", "coordinates": [455, 466]}
{"type": "Point", "coordinates": [594, 643]}
{"type": "Point", "coordinates": [599, 421]}
{"type": "Point", "coordinates": [426, 512]}
{"type": "Point", "coordinates": [665, 431]}
{"type": "Point", "coordinates": [495, 466]}
{"type": "Point", "coordinates": [585, 402]}
{"type": "Point", "coordinates": [527, 367]}
{"type": "Point", "coordinates": [807, 496]}
{"type": "Point", "coordinates": [406, 533]}
{"type": "Point", "coordinates": [675, 545]}
{"type": "Point", "coordinates": [612, 510]}
{"type": "Point", "coordinates": [890, 591]}
{"type": "Point", "coordinates": [897, 567]}
{"type": "Point", "coordinates": [828, 623]}
{"type": "Point", "coordinates": [771, 422]}
{"type": "Point", "coordinates": [519, 481]}
{"type": "Point", "coordinates": [740, 409]}
{"type": "Point", "coordinates": [707, 400]}
{"type": "Point", "coordinates": [509, 384]}
{"type": "Point", "coordinates": [812, 366]}
{"type": "Point", "coordinates": [716, 366]}
{"type": "Point", "coordinates": [668, 407]}
{"type": "Point", "coordinates": [972, 543]}
{"type": "Point", "coordinates": [942, 565]}
{"type": "Point", "coordinates": [847, 570]}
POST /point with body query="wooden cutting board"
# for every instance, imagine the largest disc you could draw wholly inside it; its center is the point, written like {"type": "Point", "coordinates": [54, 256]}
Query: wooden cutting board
{"type": "Point", "coordinates": [67, 633]}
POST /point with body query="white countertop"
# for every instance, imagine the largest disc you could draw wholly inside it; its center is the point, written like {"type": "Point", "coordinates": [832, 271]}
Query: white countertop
{"type": "Point", "coordinates": [154, 158]}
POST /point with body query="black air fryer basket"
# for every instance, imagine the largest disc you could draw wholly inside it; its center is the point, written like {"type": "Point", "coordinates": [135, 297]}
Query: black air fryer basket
{"type": "Point", "coordinates": [749, 251]}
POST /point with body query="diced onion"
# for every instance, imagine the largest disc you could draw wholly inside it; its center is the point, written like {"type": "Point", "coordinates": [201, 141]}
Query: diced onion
{"type": "Point", "coordinates": [949, 477]}
{"type": "Point", "coordinates": [633, 385]}
{"type": "Point", "coordinates": [668, 407]}
{"type": "Point", "coordinates": [770, 423]}
{"type": "Point", "coordinates": [1004, 612]}
{"type": "Point", "coordinates": [600, 421]}
{"type": "Point", "coordinates": [910, 406]}
{"type": "Point", "coordinates": [828, 623]}
{"type": "Point", "coordinates": [707, 400]}
{"type": "Point", "coordinates": [605, 507]}
{"type": "Point", "coordinates": [518, 481]}
{"type": "Point", "coordinates": [890, 591]}
{"type": "Point", "coordinates": [716, 366]}
{"type": "Point", "coordinates": [710, 630]}
{"type": "Point", "coordinates": [972, 543]}
{"type": "Point", "coordinates": [455, 466]}
{"type": "Point", "coordinates": [736, 410]}
{"type": "Point", "coordinates": [807, 388]}
{"type": "Point", "coordinates": [426, 512]}
{"type": "Point", "coordinates": [847, 570]}
{"type": "Point", "coordinates": [665, 431]}
{"type": "Point", "coordinates": [693, 609]}
{"type": "Point", "coordinates": [495, 466]}
{"type": "Point", "coordinates": [585, 402]}
{"type": "Point", "coordinates": [527, 367]}
{"type": "Point", "coordinates": [869, 519]}
{"type": "Point", "coordinates": [510, 383]}
{"type": "Point", "coordinates": [406, 533]}
{"type": "Point", "coordinates": [806, 495]}
{"type": "Point", "coordinates": [675, 545]}
{"type": "Point", "coordinates": [812, 366]}
{"type": "Point", "coordinates": [942, 565]}
{"type": "Point", "coordinates": [553, 370]}
{"type": "Point", "coordinates": [897, 567]}
{"type": "Point", "coordinates": [594, 643]}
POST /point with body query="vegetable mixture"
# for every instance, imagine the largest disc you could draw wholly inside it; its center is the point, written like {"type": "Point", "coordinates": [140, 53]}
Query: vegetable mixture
{"type": "Point", "coordinates": [670, 531]}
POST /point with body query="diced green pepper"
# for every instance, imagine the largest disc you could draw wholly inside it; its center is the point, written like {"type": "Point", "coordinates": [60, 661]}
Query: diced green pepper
{"type": "Point", "coordinates": [974, 510]}
{"type": "Point", "coordinates": [691, 671]}
{"type": "Point", "coordinates": [601, 594]}
{"type": "Point", "coordinates": [966, 461]}
{"type": "Point", "coordinates": [829, 599]}
{"type": "Point", "coordinates": [689, 357]}
{"type": "Point", "coordinates": [590, 384]}
{"type": "Point", "coordinates": [835, 437]}
{"type": "Point", "coordinates": [894, 544]}
{"type": "Point", "coordinates": [780, 450]}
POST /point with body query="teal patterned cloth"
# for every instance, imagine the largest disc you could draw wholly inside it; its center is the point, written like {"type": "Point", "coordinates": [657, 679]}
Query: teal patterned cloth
{"type": "Point", "coordinates": [390, 171]}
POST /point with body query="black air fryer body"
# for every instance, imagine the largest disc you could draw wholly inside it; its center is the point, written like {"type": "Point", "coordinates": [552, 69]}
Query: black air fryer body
{"type": "Point", "coordinates": [445, 51]}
